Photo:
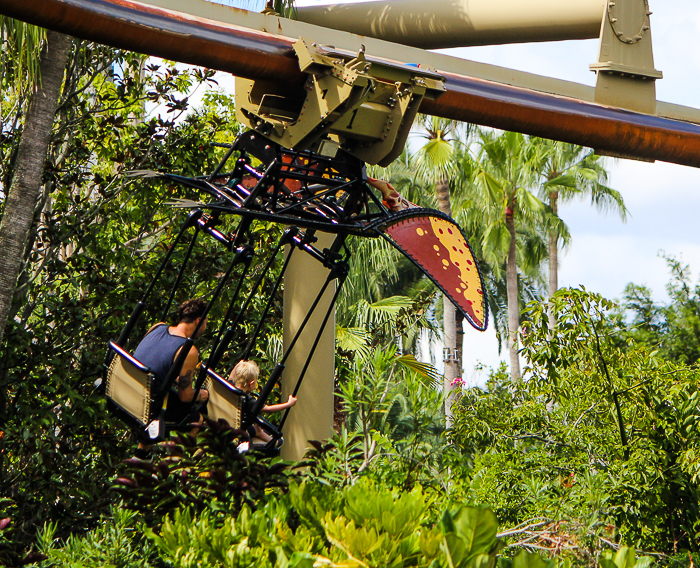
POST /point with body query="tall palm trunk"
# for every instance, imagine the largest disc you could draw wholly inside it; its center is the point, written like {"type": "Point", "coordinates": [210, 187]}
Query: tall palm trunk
{"type": "Point", "coordinates": [553, 259]}
{"type": "Point", "coordinates": [512, 292]}
{"type": "Point", "coordinates": [25, 189]}
{"type": "Point", "coordinates": [452, 368]}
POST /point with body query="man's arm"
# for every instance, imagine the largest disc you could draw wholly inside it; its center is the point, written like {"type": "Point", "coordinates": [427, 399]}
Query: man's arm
{"type": "Point", "coordinates": [186, 378]}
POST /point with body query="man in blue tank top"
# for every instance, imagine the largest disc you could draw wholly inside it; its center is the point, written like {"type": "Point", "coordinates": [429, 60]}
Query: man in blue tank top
{"type": "Point", "coordinates": [160, 347]}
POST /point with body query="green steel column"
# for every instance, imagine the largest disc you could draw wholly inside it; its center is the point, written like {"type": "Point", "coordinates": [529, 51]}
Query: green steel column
{"type": "Point", "coordinates": [312, 417]}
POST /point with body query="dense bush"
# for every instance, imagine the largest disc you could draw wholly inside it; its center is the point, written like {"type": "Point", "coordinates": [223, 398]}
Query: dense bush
{"type": "Point", "coordinates": [602, 434]}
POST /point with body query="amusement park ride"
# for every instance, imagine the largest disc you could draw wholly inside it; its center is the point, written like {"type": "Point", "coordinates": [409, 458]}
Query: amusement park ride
{"type": "Point", "coordinates": [321, 103]}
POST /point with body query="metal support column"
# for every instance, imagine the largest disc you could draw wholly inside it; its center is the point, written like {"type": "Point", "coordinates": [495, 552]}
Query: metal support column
{"type": "Point", "coordinates": [312, 417]}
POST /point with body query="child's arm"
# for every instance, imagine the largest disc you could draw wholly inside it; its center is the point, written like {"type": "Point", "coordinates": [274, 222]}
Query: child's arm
{"type": "Point", "coordinates": [277, 407]}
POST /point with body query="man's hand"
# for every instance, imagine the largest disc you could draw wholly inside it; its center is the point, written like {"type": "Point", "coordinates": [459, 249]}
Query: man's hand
{"type": "Point", "coordinates": [292, 400]}
{"type": "Point", "coordinates": [203, 395]}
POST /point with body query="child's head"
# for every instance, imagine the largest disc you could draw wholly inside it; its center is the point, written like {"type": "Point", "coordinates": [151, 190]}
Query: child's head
{"type": "Point", "coordinates": [245, 374]}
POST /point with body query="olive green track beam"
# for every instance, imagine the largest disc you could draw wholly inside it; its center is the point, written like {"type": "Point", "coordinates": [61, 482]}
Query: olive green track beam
{"type": "Point", "coordinates": [460, 23]}
{"type": "Point", "coordinates": [257, 46]}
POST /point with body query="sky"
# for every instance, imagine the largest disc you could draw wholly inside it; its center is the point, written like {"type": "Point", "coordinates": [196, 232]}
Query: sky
{"type": "Point", "coordinates": [663, 199]}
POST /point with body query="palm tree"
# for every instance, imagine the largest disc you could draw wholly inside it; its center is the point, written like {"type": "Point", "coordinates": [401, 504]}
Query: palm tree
{"type": "Point", "coordinates": [507, 167]}
{"type": "Point", "coordinates": [571, 172]}
{"type": "Point", "coordinates": [21, 200]}
{"type": "Point", "coordinates": [437, 166]}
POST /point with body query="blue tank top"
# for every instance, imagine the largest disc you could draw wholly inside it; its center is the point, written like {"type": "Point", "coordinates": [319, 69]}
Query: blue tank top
{"type": "Point", "coordinates": [157, 351]}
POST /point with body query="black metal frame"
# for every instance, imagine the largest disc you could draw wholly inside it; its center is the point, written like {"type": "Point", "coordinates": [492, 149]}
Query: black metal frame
{"type": "Point", "coordinates": [243, 254]}
{"type": "Point", "coordinates": [303, 189]}
{"type": "Point", "coordinates": [336, 261]}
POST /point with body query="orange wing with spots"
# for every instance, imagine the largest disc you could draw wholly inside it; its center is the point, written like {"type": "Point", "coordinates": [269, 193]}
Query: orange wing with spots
{"type": "Point", "coordinates": [436, 244]}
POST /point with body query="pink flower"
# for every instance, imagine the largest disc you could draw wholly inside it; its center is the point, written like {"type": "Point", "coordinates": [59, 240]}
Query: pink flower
{"type": "Point", "coordinates": [457, 382]}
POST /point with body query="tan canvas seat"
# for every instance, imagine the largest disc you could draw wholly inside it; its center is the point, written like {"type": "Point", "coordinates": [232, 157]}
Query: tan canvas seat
{"type": "Point", "coordinates": [225, 400]}
{"type": "Point", "coordinates": [128, 386]}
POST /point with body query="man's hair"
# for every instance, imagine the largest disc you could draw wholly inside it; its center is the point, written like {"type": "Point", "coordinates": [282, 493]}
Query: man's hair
{"type": "Point", "coordinates": [190, 310]}
{"type": "Point", "coordinates": [245, 372]}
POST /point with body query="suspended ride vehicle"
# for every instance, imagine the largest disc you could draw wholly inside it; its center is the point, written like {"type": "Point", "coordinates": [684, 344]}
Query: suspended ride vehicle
{"type": "Point", "coordinates": [131, 388]}
{"type": "Point", "coordinates": [307, 173]}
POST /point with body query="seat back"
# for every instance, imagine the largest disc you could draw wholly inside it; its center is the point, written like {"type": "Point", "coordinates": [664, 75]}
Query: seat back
{"type": "Point", "coordinates": [128, 386]}
{"type": "Point", "coordinates": [225, 400]}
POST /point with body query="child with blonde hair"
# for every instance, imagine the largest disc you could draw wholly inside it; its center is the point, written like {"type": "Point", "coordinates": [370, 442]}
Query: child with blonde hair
{"type": "Point", "coordinates": [245, 377]}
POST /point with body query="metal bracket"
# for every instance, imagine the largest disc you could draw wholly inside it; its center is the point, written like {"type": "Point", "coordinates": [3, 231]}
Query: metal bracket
{"type": "Point", "coordinates": [625, 67]}
{"type": "Point", "coordinates": [450, 355]}
{"type": "Point", "coordinates": [363, 105]}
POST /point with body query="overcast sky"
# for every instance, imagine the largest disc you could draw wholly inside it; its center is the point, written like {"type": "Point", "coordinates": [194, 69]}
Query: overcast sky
{"type": "Point", "coordinates": [663, 199]}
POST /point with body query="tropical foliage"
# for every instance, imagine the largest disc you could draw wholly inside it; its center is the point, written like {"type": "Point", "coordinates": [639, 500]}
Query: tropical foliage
{"type": "Point", "coordinates": [589, 454]}
{"type": "Point", "coordinates": [603, 436]}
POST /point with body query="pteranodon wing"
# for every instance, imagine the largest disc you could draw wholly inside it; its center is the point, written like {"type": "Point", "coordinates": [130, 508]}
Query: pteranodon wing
{"type": "Point", "coordinates": [437, 246]}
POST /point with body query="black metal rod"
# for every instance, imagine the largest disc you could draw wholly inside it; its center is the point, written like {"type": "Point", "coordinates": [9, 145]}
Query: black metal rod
{"type": "Point", "coordinates": [222, 343]}
{"type": "Point", "coordinates": [310, 249]}
{"type": "Point", "coordinates": [318, 336]}
{"type": "Point", "coordinates": [262, 183]}
{"type": "Point", "coordinates": [133, 319]}
{"type": "Point", "coordinates": [242, 231]}
{"type": "Point", "coordinates": [244, 307]}
{"type": "Point", "coordinates": [309, 313]}
{"type": "Point", "coordinates": [286, 237]}
{"type": "Point", "coordinates": [180, 274]}
{"type": "Point", "coordinates": [251, 170]}
{"type": "Point", "coordinates": [191, 221]}
{"type": "Point", "coordinates": [266, 390]}
{"type": "Point", "coordinates": [314, 196]}
{"type": "Point", "coordinates": [222, 163]}
{"type": "Point", "coordinates": [271, 298]}
{"type": "Point", "coordinates": [142, 304]}
{"type": "Point", "coordinates": [214, 297]}
{"type": "Point", "coordinates": [245, 255]}
{"type": "Point", "coordinates": [207, 226]}
{"type": "Point", "coordinates": [342, 278]}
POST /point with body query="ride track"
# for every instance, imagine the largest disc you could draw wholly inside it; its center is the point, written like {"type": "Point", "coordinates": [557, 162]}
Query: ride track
{"type": "Point", "coordinates": [254, 54]}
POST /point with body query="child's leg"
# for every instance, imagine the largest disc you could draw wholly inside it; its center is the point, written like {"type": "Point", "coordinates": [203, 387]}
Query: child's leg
{"type": "Point", "coordinates": [261, 434]}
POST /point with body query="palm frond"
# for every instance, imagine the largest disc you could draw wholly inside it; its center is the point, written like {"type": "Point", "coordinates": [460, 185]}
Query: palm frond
{"type": "Point", "coordinates": [381, 312]}
{"type": "Point", "coordinates": [424, 370]}
{"type": "Point", "coordinates": [354, 339]}
{"type": "Point", "coordinates": [21, 50]}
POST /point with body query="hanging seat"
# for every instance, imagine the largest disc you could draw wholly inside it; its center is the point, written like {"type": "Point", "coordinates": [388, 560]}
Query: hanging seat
{"type": "Point", "coordinates": [226, 402]}
{"type": "Point", "coordinates": [128, 387]}
{"type": "Point", "coordinates": [131, 393]}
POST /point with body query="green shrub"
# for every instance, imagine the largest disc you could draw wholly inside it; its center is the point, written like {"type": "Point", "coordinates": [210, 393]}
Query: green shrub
{"type": "Point", "coordinates": [317, 525]}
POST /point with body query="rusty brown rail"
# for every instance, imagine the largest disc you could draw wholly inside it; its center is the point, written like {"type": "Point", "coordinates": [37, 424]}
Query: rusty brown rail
{"type": "Point", "coordinates": [257, 55]}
